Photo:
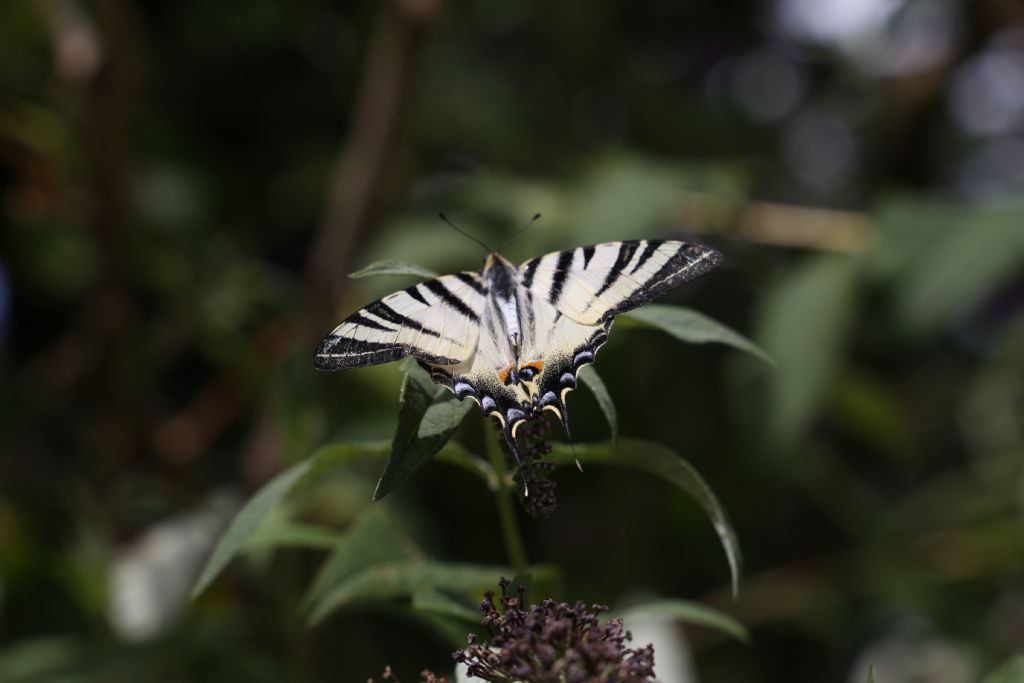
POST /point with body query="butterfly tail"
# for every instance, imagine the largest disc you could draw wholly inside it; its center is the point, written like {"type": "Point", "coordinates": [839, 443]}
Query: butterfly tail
{"type": "Point", "coordinates": [510, 442]}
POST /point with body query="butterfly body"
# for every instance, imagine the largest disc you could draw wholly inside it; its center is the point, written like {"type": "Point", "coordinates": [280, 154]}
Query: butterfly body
{"type": "Point", "coordinates": [514, 338]}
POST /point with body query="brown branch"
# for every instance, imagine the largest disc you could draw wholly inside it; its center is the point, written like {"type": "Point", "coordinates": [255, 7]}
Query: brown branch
{"type": "Point", "coordinates": [383, 90]}
{"type": "Point", "coordinates": [385, 82]}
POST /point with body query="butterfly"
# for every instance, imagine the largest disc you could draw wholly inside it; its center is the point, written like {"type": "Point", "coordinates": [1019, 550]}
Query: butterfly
{"type": "Point", "coordinates": [511, 338]}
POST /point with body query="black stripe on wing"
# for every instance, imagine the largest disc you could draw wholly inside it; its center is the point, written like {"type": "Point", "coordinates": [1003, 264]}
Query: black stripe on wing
{"type": "Point", "coordinates": [388, 314]}
{"type": "Point", "coordinates": [342, 353]}
{"type": "Point", "coordinates": [688, 263]}
{"type": "Point", "coordinates": [622, 259]}
{"type": "Point", "coordinates": [438, 288]}
{"type": "Point", "coordinates": [561, 273]}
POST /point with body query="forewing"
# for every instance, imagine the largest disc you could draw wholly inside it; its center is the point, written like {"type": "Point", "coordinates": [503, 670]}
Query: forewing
{"type": "Point", "coordinates": [593, 284]}
{"type": "Point", "coordinates": [436, 321]}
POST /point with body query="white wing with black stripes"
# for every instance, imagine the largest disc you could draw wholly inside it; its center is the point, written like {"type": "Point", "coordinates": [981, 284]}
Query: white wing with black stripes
{"type": "Point", "coordinates": [513, 339]}
{"type": "Point", "coordinates": [575, 295]}
{"type": "Point", "coordinates": [593, 284]}
{"type": "Point", "coordinates": [436, 321]}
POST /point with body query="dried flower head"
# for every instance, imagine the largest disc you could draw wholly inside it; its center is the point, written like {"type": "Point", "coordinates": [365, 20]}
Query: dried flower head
{"type": "Point", "coordinates": [426, 676]}
{"type": "Point", "coordinates": [534, 474]}
{"type": "Point", "coordinates": [553, 643]}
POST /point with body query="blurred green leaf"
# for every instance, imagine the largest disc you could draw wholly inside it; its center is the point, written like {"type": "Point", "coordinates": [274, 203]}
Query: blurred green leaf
{"type": "Point", "coordinates": [260, 505]}
{"type": "Point", "coordinates": [1011, 671]}
{"type": "Point", "coordinates": [372, 539]}
{"type": "Point", "coordinates": [596, 385]}
{"type": "Point", "coordinates": [693, 327]}
{"type": "Point", "coordinates": [46, 659]}
{"type": "Point", "coordinates": [690, 613]}
{"type": "Point", "coordinates": [804, 323]}
{"type": "Point", "coordinates": [431, 599]}
{"type": "Point", "coordinates": [393, 268]}
{"type": "Point", "coordinates": [246, 521]}
{"type": "Point", "coordinates": [403, 579]}
{"type": "Point", "coordinates": [960, 256]}
{"type": "Point", "coordinates": [427, 417]}
{"type": "Point", "coordinates": [277, 530]}
{"type": "Point", "coordinates": [667, 464]}
{"type": "Point", "coordinates": [871, 674]}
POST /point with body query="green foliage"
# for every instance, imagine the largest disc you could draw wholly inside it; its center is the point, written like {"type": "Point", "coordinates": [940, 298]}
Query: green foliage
{"type": "Point", "coordinates": [666, 464]}
{"type": "Point", "coordinates": [1012, 671]}
{"type": "Point", "coordinates": [693, 327]}
{"type": "Point", "coordinates": [427, 417]}
{"type": "Point", "coordinates": [689, 613]}
{"type": "Point", "coordinates": [804, 323]}
{"type": "Point", "coordinates": [393, 268]}
{"type": "Point", "coordinates": [247, 521]}
{"type": "Point", "coordinates": [591, 380]}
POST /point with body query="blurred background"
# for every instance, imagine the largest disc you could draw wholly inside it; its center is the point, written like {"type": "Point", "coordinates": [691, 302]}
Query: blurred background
{"type": "Point", "coordinates": [184, 186]}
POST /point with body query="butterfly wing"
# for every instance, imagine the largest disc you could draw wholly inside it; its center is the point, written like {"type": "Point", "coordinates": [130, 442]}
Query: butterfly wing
{"type": "Point", "coordinates": [593, 284]}
{"type": "Point", "coordinates": [575, 295]}
{"type": "Point", "coordinates": [436, 321]}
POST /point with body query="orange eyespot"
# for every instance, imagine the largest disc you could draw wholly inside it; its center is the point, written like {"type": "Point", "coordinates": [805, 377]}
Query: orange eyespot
{"type": "Point", "coordinates": [537, 365]}
{"type": "Point", "coordinates": [503, 373]}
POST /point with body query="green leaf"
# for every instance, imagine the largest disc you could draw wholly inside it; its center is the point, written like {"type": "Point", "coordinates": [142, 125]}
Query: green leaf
{"type": "Point", "coordinates": [393, 268]}
{"type": "Point", "coordinates": [693, 327]}
{"type": "Point", "coordinates": [277, 530]}
{"type": "Point", "coordinates": [665, 463]}
{"type": "Point", "coordinates": [949, 258]}
{"type": "Point", "coordinates": [246, 521]}
{"type": "Point", "coordinates": [803, 322]}
{"type": "Point", "coordinates": [1011, 671]}
{"type": "Point", "coordinates": [871, 674]}
{"type": "Point", "coordinates": [372, 539]}
{"type": "Point", "coordinates": [267, 498]}
{"type": "Point", "coordinates": [435, 601]}
{"type": "Point", "coordinates": [690, 613]}
{"type": "Point", "coordinates": [403, 579]}
{"type": "Point", "coordinates": [593, 382]}
{"type": "Point", "coordinates": [427, 418]}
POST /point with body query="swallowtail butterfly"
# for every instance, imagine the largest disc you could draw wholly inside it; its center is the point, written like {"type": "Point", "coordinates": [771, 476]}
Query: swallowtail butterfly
{"type": "Point", "coordinates": [513, 339]}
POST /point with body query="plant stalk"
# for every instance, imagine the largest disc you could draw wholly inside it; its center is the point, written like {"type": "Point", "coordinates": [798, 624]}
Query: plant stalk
{"type": "Point", "coordinates": [503, 497]}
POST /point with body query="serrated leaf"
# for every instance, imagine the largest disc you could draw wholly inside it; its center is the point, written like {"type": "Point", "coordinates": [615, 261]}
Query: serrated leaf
{"type": "Point", "coordinates": [372, 539]}
{"type": "Point", "coordinates": [393, 268]}
{"type": "Point", "coordinates": [690, 613]}
{"type": "Point", "coordinates": [267, 498]}
{"type": "Point", "coordinates": [388, 581]}
{"type": "Point", "coordinates": [596, 385]}
{"type": "Point", "coordinates": [1011, 671]}
{"type": "Point", "coordinates": [427, 417]}
{"type": "Point", "coordinates": [693, 327]}
{"type": "Point", "coordinates": [667, 464]}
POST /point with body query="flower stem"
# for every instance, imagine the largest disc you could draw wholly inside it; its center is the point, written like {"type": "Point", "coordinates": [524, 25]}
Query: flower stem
{"type": "Point", "coordinates": [506, 510]}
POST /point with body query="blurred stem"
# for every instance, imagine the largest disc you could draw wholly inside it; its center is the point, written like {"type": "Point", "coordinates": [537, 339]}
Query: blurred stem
{"type": "Point", "coordinates": [503, 496]}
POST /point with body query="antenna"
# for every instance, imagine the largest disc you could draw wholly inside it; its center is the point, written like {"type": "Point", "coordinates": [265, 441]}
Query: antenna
{"type": "Point", "coordinates": [520, 231]}
{"type": "Point", "coordinates": [463, 232]}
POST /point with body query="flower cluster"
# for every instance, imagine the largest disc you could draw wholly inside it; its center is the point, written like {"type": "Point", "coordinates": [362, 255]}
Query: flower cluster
{"type": "Point", "coordinates": [534, 474]}
{"type": "Point", "coordinates": [551, 643]}
{"type": "Point", "coordinates": [425, 677]}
